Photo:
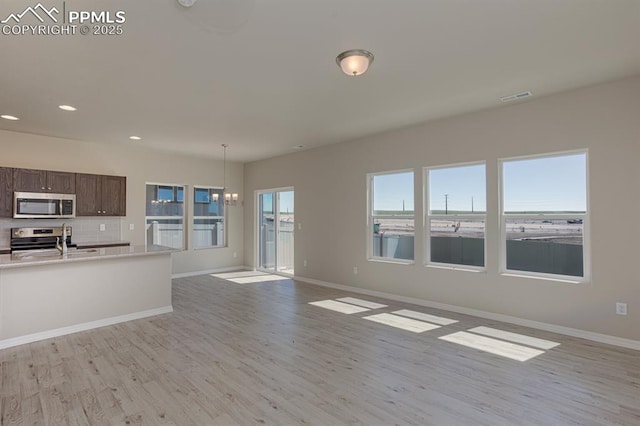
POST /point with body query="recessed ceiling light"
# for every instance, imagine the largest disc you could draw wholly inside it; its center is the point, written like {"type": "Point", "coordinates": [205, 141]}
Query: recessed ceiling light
{"type": "Point", "coordinates": [135, 138]}
{"type": "Point", "coordinates": [9, 117]}
{"type": "Point", "coordinates": [67, 107]}
{"type": "Point", "coordinates": [299, 147]}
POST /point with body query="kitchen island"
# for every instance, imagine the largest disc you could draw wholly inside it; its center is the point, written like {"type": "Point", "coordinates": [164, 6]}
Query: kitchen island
{"type": "Point", "coordinates": [44, 295]}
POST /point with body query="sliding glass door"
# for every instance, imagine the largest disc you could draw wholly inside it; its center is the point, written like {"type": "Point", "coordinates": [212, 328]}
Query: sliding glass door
{"type": "Point", "coordinates": [267, 231]}
{"type": "Point", "coordinates": [276, 231]}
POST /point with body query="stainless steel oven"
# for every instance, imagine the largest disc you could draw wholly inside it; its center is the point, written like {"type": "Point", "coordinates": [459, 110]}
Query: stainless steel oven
{"type": "Point", "coordinates": [34, 205]}
{"type": "Point", "coordinates": [39, 239]}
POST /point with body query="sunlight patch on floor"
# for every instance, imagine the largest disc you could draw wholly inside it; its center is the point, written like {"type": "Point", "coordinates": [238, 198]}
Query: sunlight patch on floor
{"type": "Point", "coordinates": [238, 274]}
{"type": "Point", "coordinates": [494, 346]}
{"type": "Point", "coordinates": [248, 277]}
{"type": "Point", "coordinates": [344, 308]}
{"type": "Point", "coordinates": [515, 337]}
{"type": "Point", "coordinates": [425, 317]}
{"type": "Point", "coordinates": [407, 324]}
{"type": "Point", "coordinates": [363, 303]}
{"type": "Point", "coordinates": [257, 279]}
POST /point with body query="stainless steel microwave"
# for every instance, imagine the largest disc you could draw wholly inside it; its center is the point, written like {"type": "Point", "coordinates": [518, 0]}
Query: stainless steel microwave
{"type": "Point", "coordinates": [34, 205]}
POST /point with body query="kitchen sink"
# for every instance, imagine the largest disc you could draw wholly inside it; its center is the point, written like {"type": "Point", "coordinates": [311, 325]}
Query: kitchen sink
{"type": "Point", "coordinates": [50, 254]}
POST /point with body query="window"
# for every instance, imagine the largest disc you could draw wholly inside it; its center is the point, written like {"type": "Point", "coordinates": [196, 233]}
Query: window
{"type": "Point", "coordinates": [391, 218]}
{"type": "Point", "coordinates": [456, 215]}
{"type": "Point", "coordinates": [544, 216]}
{"type": "Point", "coordinates": [165, 215]}
{"type": "Point", "coordinates": [208, 217]}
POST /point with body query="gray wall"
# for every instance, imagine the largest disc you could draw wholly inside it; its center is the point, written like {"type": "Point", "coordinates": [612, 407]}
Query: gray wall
{"type": "Point", "coordinates": [330, 191]}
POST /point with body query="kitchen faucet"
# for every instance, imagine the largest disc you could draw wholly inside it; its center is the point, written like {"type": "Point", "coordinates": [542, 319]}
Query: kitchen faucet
{"type": "Point", "coordinates": [62, 248]}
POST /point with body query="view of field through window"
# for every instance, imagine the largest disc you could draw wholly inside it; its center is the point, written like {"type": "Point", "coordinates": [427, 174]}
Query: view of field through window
{"type": "Point", "coordinates": [392, 216]}
{"type": "Point", "coordinates": [543, 214]}
{"type": "Point", "coordinates": [456, 214]}
{"type": "Point", "coordinates": [544, 210]}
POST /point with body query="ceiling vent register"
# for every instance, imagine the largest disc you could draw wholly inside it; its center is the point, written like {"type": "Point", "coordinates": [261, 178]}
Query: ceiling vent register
{"type": "Point", "coordinates": [516, 97]}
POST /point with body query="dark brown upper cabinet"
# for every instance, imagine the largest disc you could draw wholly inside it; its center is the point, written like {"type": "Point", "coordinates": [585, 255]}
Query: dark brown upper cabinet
{"type": "Point", "coordinates": [98, 195]}
{"type": "Point", "coordinates": [61, 182]}
{"type": "Point", "coordinates": [114, 195]}
{"type": "Point", "coordinates": [28, 180]}
{"type": "Point", "coordinates": [6, 192]}
{"type": "Point", "coordinates": [88, 195]}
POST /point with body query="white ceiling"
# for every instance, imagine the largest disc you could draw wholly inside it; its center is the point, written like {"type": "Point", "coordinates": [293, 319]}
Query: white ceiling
{"type": "Point", "coordinates": [260, 75]}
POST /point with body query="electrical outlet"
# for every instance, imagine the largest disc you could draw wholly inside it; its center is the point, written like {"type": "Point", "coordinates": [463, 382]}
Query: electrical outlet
{"type": "Point", "coordinates": [304, 263]}
{"type": "Point", "coordinates": [621, 308]}
{"type": "Point", "coordinates": [235, 254]}
{"type": "Point", "coordinates": [131, 227]}
{"type": "Point", "coordinates": [355, 270]}
{"type": "Point", "coordinates": [103, 227]}
{"type": "Point", "coordinates": [299, 226]}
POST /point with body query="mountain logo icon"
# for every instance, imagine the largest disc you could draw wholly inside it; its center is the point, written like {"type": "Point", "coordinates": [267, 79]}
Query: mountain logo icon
{"type": "Point", "coordinates": [39, 11]}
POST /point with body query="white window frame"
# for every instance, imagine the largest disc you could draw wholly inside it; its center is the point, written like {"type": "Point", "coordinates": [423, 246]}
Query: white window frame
{"type": "Point", "coordinates": [586, 228]}
{"type": "Point", "coordinates": [471, 216]}
{"type": "Point", "coordinates": [185, 199]}
{"type": "Point", "coordinates": [223, 217]}
{"type": "Point", "coordinates": [371, 219]}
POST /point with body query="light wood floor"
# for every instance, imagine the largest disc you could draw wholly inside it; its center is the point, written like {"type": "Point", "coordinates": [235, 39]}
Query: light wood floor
{"type": "Point", "coordinates": [260, 354]}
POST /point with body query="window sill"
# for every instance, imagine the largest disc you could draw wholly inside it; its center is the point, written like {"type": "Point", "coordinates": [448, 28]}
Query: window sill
{"type": "Point", "coordinates": [208, 248]}
{"type": "Point", "coordinates": [455, 267]}
{"type": "Point", "coordinates": [557, 278]}
{"type": "Point", "coordinates": [393, 261]}
{"type": "Point", "coordinates": [175, 250]}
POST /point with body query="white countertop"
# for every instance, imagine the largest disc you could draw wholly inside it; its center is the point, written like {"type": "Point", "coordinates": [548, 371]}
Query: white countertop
{"type": "Point", "coordinates": [17, 260]}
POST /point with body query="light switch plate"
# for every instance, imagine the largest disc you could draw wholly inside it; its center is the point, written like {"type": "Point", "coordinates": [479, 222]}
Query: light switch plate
{"type": "Point", "coordinates": [103, 227]}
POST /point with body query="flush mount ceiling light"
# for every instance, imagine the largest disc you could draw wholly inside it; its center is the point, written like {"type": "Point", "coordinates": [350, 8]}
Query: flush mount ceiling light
{"type": "Point", "coordinates": [9, 117]}
{"type": "Point", "coordinates": [135, 138]}
{"type": "Point", "coordinates": [67, 108]}
{"type": "Point", "coordinates": [186, 3]}
{"type": "Point", "coordinates": [354, 62]}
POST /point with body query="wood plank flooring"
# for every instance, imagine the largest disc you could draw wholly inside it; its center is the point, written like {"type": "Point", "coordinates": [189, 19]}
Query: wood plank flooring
{"type": "Point", "coordinates": [243, 354]}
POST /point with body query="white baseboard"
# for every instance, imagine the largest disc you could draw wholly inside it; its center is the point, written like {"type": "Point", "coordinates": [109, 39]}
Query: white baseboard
{"type": "Point", "coordinates": [29, 338]}
{"type": "Point", "coordinates": [583, 334]}
{"type": "Point", "coordinates": [211, 271]}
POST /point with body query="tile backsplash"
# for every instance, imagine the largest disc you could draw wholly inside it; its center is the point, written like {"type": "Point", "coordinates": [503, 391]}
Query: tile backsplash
{"type": "Point", "coordinates": [85, 229]}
